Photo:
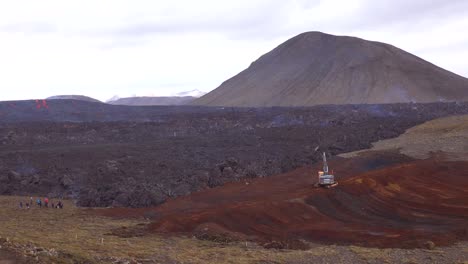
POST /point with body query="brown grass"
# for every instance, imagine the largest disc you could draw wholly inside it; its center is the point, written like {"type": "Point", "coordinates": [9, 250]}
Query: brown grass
{"type": "Point", "coordinates": [77, 234]}
{"type": "Point", "coordinates": [371, 253]}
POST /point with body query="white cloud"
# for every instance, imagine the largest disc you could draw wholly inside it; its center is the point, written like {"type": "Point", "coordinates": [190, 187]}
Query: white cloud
{"type": "Point", "coordinates": [108, 47]}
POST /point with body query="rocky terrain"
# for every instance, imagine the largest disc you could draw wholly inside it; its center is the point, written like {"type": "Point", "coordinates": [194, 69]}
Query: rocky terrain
{"type": "Point", "coordinates": [84, 111]}
{"type": "Point", "coordinates": [106, 155]}
{"type": "Point", "coordinates": [315, 68]}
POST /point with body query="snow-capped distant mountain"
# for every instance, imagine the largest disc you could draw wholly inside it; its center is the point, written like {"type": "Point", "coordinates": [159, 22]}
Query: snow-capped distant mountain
{"type": "Point", "coordinates": [153, 100]}
{"type": "Point", "coordinates": [179, 98]}
{"type": "Point", "coordinates": [113, 98]}
{"type": "Point", "coordinates": [193, 93]}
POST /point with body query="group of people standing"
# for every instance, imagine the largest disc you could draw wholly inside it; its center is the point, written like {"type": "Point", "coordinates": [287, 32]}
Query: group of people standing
{"type": "Point", "coordinates": [40, 203]}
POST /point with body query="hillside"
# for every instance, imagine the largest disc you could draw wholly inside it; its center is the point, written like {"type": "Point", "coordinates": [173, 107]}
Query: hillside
{"type": "Point", "coordinates": [316, 68]}
{"type": "Point", "coordinates": [400, 205]}
{"type": "Point", "coordinates": [148, 100]}
{"type": "Point", "coordinates": [448, 135]}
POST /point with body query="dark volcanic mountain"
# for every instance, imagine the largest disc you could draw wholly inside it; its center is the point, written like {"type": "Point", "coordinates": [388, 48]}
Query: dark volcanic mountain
{"type": "Point", "coordinates": [74, 97]}
{"type": "Point", "coordinates": [148, 100]}
{"type": "Point", "coordinates": [316, 68]}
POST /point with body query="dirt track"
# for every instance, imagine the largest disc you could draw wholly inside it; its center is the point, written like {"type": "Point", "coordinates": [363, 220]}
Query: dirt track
{"type": "Point", "coordinates": [403, 205]}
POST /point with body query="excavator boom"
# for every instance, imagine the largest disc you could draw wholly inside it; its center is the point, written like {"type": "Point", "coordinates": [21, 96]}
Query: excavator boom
{"type": "Point", "coordinates": [326, 180]}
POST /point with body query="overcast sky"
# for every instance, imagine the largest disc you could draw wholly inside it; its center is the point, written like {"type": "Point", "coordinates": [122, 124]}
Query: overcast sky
{"type": "Point", "coordinates": [161, 47]}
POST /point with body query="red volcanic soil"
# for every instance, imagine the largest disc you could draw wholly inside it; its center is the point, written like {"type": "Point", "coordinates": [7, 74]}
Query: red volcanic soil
{"type": "Point", "coordinates": [401, 205]}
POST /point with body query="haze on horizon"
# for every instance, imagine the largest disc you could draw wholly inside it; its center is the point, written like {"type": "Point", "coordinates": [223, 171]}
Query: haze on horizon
{"type": "Point", "coordinates": [121, 47]}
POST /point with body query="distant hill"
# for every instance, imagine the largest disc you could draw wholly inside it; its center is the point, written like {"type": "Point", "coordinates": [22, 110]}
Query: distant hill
{"type": "Point", "coordinates": [74, 97]}
{"type": "Point", "coordinates": [316, 68]}
{"type": "Point", "coordinates": [147, 100]}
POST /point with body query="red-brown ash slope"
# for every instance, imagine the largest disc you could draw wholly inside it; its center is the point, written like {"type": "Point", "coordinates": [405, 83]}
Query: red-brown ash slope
{"type": "Point", "coordinates": [401, 205]}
